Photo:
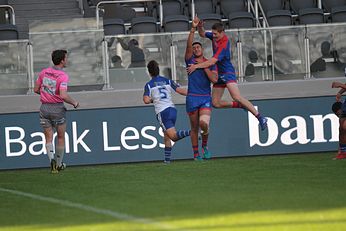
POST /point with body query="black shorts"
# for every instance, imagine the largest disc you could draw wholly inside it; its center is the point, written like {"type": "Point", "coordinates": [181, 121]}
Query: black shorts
{"type": "Point", "coordinates": [52, 114]}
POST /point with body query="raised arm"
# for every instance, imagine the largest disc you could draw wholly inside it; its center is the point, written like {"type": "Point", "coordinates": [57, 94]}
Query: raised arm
{"type": "Point", "coordinates": [189, 50]}
{"type": "Point", "coordinates": [200, 28]}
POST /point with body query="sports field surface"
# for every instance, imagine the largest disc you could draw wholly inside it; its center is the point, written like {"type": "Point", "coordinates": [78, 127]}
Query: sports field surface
{"type": "Point", "coordinates": [304, 192]}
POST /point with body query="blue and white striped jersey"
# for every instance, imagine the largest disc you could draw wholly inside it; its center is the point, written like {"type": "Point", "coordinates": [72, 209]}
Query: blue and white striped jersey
{"type": "Point", "coordinates": [159, 89]}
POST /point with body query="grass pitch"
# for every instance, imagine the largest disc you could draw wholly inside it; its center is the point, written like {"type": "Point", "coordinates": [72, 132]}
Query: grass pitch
{"type": "Point", "coordinates": [272, 193]}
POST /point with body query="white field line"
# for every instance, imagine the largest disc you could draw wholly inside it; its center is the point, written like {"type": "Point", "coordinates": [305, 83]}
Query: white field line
{"type": "Point", "coordinates": [111, 213]}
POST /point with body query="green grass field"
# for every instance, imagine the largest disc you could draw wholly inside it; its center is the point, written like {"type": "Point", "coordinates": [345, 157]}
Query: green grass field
{"type": "Point", "coordinates": [288, 192]}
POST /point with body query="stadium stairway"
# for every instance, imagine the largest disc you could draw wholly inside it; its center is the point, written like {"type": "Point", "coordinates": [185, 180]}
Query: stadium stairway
{"type": "Point", "coordinates": [31, 10]}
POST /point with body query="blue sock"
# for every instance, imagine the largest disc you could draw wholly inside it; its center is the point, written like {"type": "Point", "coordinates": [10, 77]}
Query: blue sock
{"type": "Point", "coordinates": [168, 151]}
{"type": "Point", "coordinates": [183, 133]}
{"type": "Point", "coordinates": [342, 147]}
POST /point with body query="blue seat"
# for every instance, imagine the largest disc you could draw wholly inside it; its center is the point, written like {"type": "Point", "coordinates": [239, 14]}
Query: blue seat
{"type": "Point", "coordinates": [174, 23]}
{"type": "Point", "coordinates": [279, 18]}
{"type": "Point", "coordinates": [113, 26]}
{"type": "Point", "coordinates": [241, 20]}
{"type": "Point", "coordinates": [311, 16]}
{"type": "Point", "coordinates": [143, 24]}
{"type": "Point", "coordinates": [8, 32]}
{"type": "Point", "coordinates": [338, 14]}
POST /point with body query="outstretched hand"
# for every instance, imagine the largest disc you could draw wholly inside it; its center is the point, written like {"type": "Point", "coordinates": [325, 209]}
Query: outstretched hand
{"type": "Point", "coordinates": [195, 21]}
{"type": "Point", "coordinates": [191, 68]}
{"type": "Point", "coordinates": [336, 84]}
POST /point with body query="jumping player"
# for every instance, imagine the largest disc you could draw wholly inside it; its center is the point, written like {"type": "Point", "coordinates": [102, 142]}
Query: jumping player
{"type": "Point", "coordinates": [51, 85]}
{"type": "Point", "coordinates": [159, 92]}
{"type": "Point", "coordinates": [226, 73]}
{"type": "Point", "coordinates": [340, 110]}
{"type": "Point", "coordinates": [198, 100]}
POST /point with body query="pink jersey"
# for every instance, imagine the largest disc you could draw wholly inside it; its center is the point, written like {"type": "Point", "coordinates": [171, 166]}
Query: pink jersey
{"type": "Point", "coordinates": [51, 80]}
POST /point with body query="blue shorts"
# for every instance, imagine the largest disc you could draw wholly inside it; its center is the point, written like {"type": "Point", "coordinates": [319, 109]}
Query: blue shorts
{"type": "Point", "coordinates": [167, 118]}
{"type": "Point", "coordinates": [224, 79]}
{"type": "Point", "coordinates": [194, 103]}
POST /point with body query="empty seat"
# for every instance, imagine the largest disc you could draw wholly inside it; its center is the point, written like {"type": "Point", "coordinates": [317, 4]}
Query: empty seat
{"type": "Point", "coordinates": [297, 5]}
{"type": "Point", "coordinates": [113, 26]}
{"type": "Point", "coordinates": [173, 23]}
{"type": "Point", "coordinates": [311, 16]}
{"type": "Point", "coordinates": [143, 24]}
{"type": "Point", "coordinates": [89, 8]}
{"type": "Point", "coordinates": [115, 10]}
{"type": "Point", "coordinates": [172, 7]}
{"type": "Point", "coordinates": [338, 14]}
{"type": "Point", "coordinates": [8, 32]}
{"type": "Point", "coordinates": [241, 20]}
{"type": "Point", "coordinates": [210, 19]}
{"type": "Point", "coordinates": [205, 7]}
{"type": "Point", "coordinates": [227, 6]}
{"type": "Point", "coordinates": [329, 4]}
{"type": "Point", "coordinates": [279, 18]}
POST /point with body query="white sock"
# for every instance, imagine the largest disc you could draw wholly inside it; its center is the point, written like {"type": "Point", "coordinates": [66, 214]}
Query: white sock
{"type": "Point", "coordinates": [59, 155]}
{"type": "Point", "coordinates": [50, 151]}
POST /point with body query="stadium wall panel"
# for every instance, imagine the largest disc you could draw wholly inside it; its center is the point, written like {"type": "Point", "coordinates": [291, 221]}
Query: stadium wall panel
{"type": "Point", "coordinates": [132, 134]}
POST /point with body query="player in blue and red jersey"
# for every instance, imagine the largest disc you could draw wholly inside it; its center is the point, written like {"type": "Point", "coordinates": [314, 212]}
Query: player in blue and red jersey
{"type": "Point", "coordinates": [226, 73]}
{"type": "Point", "coordinates": [198, 100]}
{"type": "Point", "coordinates": [339, 109]}
{"type": "Point", "coordinates": [159, 92]}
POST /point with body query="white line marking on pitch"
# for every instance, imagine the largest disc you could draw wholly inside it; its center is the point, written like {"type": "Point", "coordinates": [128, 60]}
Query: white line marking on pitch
{"type": "Point", "coordinates": [114, 214]}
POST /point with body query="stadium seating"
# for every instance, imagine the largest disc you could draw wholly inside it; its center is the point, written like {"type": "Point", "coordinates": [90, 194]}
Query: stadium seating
{"type": "Point", "coordinates": [8, 32]}
{"type": "Point", "coordinates": [118, 11]}
{"type": "Point", "coordinates": [143, 24]}
{"type": "Point", "coordinates": [338, 14]}
{"type": "Point", "coordinates": [311, 16]}
{"type": "Point", "coordinates": [276, 12]}
{"type": "Point", "coordinates": [210, 19]}
{"type": "Point", "coordinates": [329, 4]}
{"type": "Point", "coordinates": [173, 23]}
{"type": "Point", "coordinates": [297, 5]}
{"type": "Point", "coordinates": [114, 26]}
{"type": "Point", "coordinates": [241, 20]}
{"type": "Point", "coordinates": [227, 6]}
{"type": "Point", "coordinates": [279, 18]}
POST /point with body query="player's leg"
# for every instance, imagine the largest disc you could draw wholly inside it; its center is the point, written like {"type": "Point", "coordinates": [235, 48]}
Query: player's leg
{"type": "Point", "coordinates": [342, 138]}
{"type": "Point", "coordinates": [60, 148]}
{"type": "Point", "coordinates": [168, 148]}
{"type": "Point", "coordinates": [48, 132]}
{"type": "Point", "coordinates": [192, 106]}
{"type": "Point", "coordinates": [59, 121]}
{"type": "Point", "coordinates": [193, 116]}
{"type": "Point", "coordinates": [167, 120]}
{"type": "Point", "coordinates": [217, 93]}
{"type": "Point", "coordinates": [235, 94]}
{"type": "Point", "coordinates": [204, 120]}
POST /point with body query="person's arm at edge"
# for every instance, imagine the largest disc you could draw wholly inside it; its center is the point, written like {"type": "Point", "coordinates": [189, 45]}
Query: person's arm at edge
{"type": "Point", "coordinates": [147, 99]}
{"type": "Point", "coordinates": [212, 75]}
{"type": "Point", "coordinates": [68, 99]}
{"type": "Point", "coordinates": [341, 91]}
{"type": "Point", "coordinates": [189, 51]}
{"type": "Point", "coordinates": [200, 28]}
{"type": "Point", "coordinates": [37, 88]}
{"type": "Point", "coordinates": [181, 91]}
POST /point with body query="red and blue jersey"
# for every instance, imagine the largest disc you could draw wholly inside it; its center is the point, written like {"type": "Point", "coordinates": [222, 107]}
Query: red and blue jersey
{"type": "Point", "coordinates": [222, 52]}
{"type": "Point", "coordinates": [198, 81]}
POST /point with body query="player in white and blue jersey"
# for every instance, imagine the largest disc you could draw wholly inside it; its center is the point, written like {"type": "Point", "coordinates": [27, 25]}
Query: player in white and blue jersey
{"type": "Point", "coordinates": [159, 92]}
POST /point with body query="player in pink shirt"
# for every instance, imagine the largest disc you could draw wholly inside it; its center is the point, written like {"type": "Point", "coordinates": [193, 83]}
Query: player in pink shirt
{"type": "Point", "coordinates": [51, 85]}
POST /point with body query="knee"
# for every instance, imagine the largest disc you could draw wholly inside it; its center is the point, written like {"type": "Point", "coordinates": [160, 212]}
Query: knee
{"type": "Point", "coordinates": [216, 104]}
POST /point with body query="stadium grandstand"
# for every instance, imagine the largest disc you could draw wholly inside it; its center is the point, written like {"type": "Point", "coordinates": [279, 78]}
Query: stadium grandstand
{"type": "Point", "coordinates": [281, 48]}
